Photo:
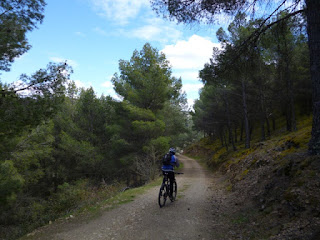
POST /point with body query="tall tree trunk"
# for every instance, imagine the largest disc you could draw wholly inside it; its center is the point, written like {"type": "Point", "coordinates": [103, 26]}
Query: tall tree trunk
{"type": "Point", "coordinates": [245, 113]}
{"type": "Point", "coordinates": [263, 135]}
{"type": "Point", "coordinates": [273, 124]}
{"type": "Point", "coordinates": [241, 132]}
{"type": "Point", "coordinates": [291, 116]}
{"type": "Point", "coordinates": [229, 121]}
{"type": "Point", "coordinates": [268, 127]}
{"type": "Point", "coordinates": [313, 21]}
{"type": "Point", "coordinates": [231, 139]}
{"type": "Point", "coordinates": [251, 127]}
{"type": "Point", "coordinates": [263, 112]}
{"type": "Point", "coordinates": [288, 105]}
{"type": "Point", "coordinates": [221, 138]}
{"type": "Point", "coordinates": [235, 133]}
{"type": "Point", "coordinates": [225, 140]}
{"type": "Point", "coordinates": [292, 108]}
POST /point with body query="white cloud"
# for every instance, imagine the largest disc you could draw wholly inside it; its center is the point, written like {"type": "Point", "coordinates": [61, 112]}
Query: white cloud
{"type": "Point", "coordinates": [156, 32]}
{"type": "Point", "coordinates": [190, 102]}
{"type": "Point", "coordinates": [19, 84]}
{"type": "Point", "coordinates": [81, 84]}
{"type": "Point", "coordinates": [119, 11]}
{"type": "Point", "coordinates": [80, 34]}
{"type": "Point", "coordinates": [144, 23]}
{"type": "Point", "coordinates": [108, 89]}
{"type": "Point", "coordinates": [70, 62]}
{"type": "Point", "coordinates": [147, 32]}
{"type": "Point", "coordinates": [187, 57]}
{"type": "Point", "coordinates": [107, 84]}
{"type": "Point", "coordinates": [192, 87]}
{"type": "Point", "coordinates": [190, 54]}
{"type": "Point", "coordinates": [154, 29]}
{"type": "Point", "coordinates": [192, 91]}
{"type": "Point", "coordinates": [100, 31]}
{"type": "Point", "coordinates": [187, 74]}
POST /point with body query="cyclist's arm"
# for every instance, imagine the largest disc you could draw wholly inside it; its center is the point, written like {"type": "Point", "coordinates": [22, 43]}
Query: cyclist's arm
{"type": "Point", "coordinates": [177, 164]}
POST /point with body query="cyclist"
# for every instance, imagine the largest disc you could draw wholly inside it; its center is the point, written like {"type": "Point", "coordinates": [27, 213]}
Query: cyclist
{"type": "Point", "coordinates": [169, 168]}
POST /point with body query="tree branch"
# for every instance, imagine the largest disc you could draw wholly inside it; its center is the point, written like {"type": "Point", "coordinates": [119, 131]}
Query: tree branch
{"type": "Point", "coordinates": [255, 35]}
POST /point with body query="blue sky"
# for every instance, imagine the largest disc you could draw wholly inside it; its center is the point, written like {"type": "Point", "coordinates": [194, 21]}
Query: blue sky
{"type": "Point", "coordinates": [93, 35]}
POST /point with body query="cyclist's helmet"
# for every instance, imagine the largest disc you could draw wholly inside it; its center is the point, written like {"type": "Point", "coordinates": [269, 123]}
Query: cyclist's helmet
{"type": "Point", "coordinates": [172, 150]}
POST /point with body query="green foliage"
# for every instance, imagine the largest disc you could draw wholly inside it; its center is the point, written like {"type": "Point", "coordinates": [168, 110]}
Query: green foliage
{"type": "Point", "coordinates": [175, 119]}
{"type": "Point", "coordinates": [147, 128]}
{"type": "Point", "coordinates": [197, 11]}
{"type": "Point", "coordinates": [89, 114]}
{"type": "Point", "coordinates": [59, 137]}
{"type": "Point", "coordinates": [161, 144]}
{"type": "Point", "coordinates": [16, 19]}
{"type": "Point", "coordinates": [71, 198]}
{"type": "Point", "coordinates": [18, 113]}
{"type": "Point", "coordinates": [68, 196]}
{"type": "Point", "coordinates": [150, 114]}
{"type": "Point", "coordinates": [258, 87]}
{"type": "Point", "coordinates": [32, 150]}
{"type": "Point", "coordinates": [82, 156]}
{"type": "Point", "coordinates": [11, 183]}
{"type": "Point", "coordinates": [289, 27]}
{"type": "Point", "coordinates": [138, 113]}
{"type": "Point", "coordinates": [144, 80]}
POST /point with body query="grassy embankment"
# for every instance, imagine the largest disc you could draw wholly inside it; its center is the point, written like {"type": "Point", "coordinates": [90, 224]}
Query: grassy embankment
{"type": "Point", "coordinates": [275, 182]}
{"type": "Point", "coordinates": [211, 153]}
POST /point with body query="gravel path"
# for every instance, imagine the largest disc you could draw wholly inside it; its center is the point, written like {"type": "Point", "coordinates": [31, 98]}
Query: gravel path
{"type": "Point", "coordinates": [191, 216]}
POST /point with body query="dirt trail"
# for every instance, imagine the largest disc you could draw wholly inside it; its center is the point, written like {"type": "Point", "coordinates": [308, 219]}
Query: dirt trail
{"type": "Point", "coordinates": [192, 216]}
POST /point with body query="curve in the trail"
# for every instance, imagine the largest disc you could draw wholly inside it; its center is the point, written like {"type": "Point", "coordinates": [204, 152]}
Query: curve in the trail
{"type": "Point", "coordinates": [189, 217]}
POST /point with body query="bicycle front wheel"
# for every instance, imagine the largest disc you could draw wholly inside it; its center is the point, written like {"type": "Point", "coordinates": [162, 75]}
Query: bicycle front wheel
{"type": "Point", "coordinates": [162, 195]}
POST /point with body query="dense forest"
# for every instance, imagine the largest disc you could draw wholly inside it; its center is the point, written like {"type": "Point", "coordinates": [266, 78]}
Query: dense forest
{"type": "Point", "coordinates": [252, 87]}
{"type": "Point", "coordinates": [55, 137]}
{"type": "Point", "coordinates": [244, 44]}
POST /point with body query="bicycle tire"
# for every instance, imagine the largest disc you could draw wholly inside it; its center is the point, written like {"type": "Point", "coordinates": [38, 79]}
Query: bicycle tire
{"type": "Point", "coordinates": [175, 189]}
{"type": "Point", "coordinates": [162, 196]}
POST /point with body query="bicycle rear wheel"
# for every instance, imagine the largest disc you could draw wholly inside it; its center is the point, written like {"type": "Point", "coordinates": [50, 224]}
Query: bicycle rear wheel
{"type": "Point", "coordinates": [174, 193]}
{"type": "Point", "coordinates": [162, 195]}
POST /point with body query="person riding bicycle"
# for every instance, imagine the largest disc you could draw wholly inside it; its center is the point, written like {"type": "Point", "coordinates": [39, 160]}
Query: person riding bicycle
{"type": "Point", "coordinates": [168, 168]}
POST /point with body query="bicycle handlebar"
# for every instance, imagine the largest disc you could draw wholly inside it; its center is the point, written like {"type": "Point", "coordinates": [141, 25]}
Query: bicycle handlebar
{"type": "Point", "coordinates": [173, 171]}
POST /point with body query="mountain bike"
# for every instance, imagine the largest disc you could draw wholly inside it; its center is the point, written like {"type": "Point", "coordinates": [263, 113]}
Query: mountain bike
{"type": "Point", "coordinates": [164, 191]}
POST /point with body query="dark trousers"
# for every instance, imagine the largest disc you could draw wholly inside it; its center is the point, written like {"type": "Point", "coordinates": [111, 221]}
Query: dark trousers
{"type": "Point", "coordinates": [171, 177]}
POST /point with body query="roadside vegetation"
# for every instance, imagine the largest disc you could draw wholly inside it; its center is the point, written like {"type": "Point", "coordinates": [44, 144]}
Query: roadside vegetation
{"type": "Point", "coordinates": [275, 183]}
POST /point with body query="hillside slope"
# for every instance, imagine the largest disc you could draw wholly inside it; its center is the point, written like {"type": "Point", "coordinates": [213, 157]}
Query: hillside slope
{"type": "Point", "coordinates": [275, 184]}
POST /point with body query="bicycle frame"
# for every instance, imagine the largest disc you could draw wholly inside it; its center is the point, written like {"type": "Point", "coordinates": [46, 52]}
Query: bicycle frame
{"type": "Point", "coordinates": [164, 191]}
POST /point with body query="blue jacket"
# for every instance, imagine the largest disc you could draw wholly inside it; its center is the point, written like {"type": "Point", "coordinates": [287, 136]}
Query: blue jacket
{"type": "Point", "coordinates": [174, 162]}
